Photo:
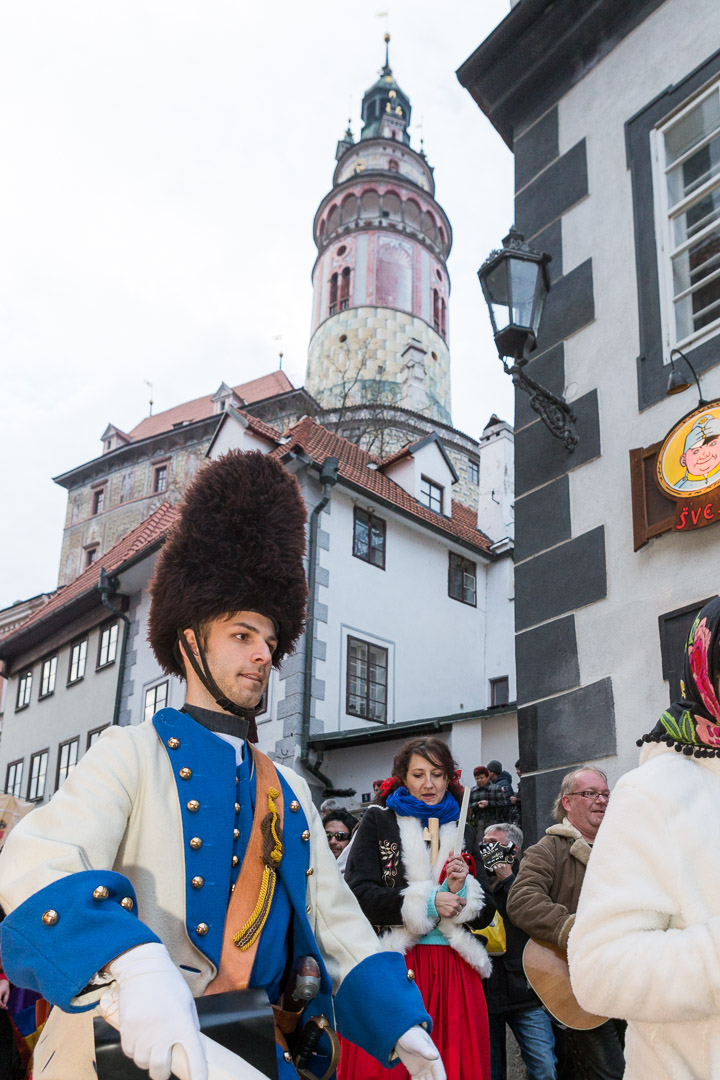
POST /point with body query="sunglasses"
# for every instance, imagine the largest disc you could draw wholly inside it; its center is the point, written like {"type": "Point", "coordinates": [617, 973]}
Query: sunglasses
{"type": "Point", "coordinates": [338, 835]}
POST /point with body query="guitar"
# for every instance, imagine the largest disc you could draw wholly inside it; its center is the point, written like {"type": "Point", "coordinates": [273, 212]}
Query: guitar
{"type": "Point", "coordinates": [546, 969]}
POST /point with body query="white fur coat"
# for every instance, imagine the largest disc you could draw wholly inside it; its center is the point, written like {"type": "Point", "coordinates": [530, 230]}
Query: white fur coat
{"type": "Point", "coordinates": [422, 878]}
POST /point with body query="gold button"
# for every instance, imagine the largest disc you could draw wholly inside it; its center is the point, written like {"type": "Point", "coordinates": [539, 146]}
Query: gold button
{"type": "Point", "coordinates": [237, 779]}
{"type": "Point", "coordinates": [306, 835]}
{"type": "Point", "coordinates": [235, 860]}
{"type": "Point", "coordinates": [294, 806]}
{"type": "Point", "coordinates": [127, 902]}
{"type": "Point", "coordinates": [411, 975]}
{"type": "Point", "coordinates": [237, 807]}
{"type": "Point", "coordinates": [185, 774]}
{"type": "Point", "coordinates": [288, 1056]}
{"type": "Point", "coordinates": [309, 872]}
{"type": "Point", "coordinates": [174, 743]}
{"type": "Point", "coordinates": [202, 929]}
{"type": "Point", "coordinates": [236, 834]}
{"type": "Point", "coordinates": [196, 843]}
{"type": "Point", "coordinates": [193, 806]}
{"type": "Point", "coordinates": [309, 908]}
{"type": "Point", "coordinates": [232, 887]}
{"type": "Point", "coordinates": [197, 882]}
{"type": "Point", "coordinates": [50, 917]}
{"type": "Point", "coordinates": [101, 893]}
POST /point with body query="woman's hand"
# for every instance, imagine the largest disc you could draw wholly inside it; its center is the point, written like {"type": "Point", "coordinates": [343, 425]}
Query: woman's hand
{"type": "Point", "coordinates": [447, 904]}
{"type": "Point", "coordinates": [4, 992]}
{"type": "Point", "coordinates": [456, 870]}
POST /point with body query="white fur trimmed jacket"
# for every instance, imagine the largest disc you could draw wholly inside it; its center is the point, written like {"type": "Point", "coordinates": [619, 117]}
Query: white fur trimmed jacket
{"type": "Point", "coordinates": [645, 946]}
{"type": "Point", "coordinates": [389, 871]}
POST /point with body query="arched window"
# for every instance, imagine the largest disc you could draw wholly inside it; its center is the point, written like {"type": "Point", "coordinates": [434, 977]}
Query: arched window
{"type": "Point", "coordinates": [370, 204]}
{"type": "Point", "coordinates": [429, 227]}
{"type": "Point", "coordinates": [411, 213]}
{"type": "Point", "coordinates": [344, 288]}
{"type": "Point", "coordinates": [333, 294]}
{"type": "Point", "coordinates": [443, 311]}
{"type": "Point", "coordinates": [391, 205]}
{"type": "Point", "coordinates": [333, 221]}
{"type": "Point", "coordinates": [436, 310]}
{"type": "Point", "coordinates": [349, 208]}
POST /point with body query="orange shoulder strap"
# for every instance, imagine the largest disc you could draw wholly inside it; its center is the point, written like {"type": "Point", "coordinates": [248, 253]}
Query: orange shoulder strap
{"type": "Point", "coordinates": [252, 894]}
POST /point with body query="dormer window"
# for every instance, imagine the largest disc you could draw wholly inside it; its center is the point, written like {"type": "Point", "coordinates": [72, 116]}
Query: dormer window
{"type": "Point", "coordinates": [431, 495]}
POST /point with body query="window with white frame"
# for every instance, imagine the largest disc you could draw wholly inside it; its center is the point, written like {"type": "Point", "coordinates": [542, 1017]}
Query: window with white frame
{"type": "Point", "coordinates": [687, 157]}
{"type": "Point", "coordinates": [38, 776]}
{"type": "Point", "coordinates": [155, 698]}
{"type": "Point", "coordinates": [13, 779]}
{"type": "Point", "coordinates": [24, 690]}
{"type": "Point", "coordinates": [48, 674]}
{"type": "Point", "coordinates": [462, 583]}
{"type": "Point", "coordinates": [107, 649]}
{"type": "Point", "coordinates": [78, 659]}
{"type": "Point", "coordinates": [67, 760]}
{"type": "Point", "coordinates": [431, 495]}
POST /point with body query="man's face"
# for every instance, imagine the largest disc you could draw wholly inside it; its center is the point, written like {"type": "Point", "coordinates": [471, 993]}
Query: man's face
{"type": "Point", "coordinates": [702, 458]}
{"type": "Point", "coordinates": [584, 813]}
{"type": "Point", "coordinates": [239, 650]}
{"type": "Point", "coordinates": [338, 836]}
{"type": "Point", "coordinates": [493, 776]}
{"type": "Point", "coordinates": [495, 836]}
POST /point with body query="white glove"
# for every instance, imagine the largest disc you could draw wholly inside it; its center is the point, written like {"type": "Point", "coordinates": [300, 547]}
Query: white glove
{"type": "Point", "coordinates": [153, 1009]}
{"type": "Point", "coordinates": [419, 1055]}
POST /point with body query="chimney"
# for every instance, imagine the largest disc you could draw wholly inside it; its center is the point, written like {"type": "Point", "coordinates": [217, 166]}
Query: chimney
{"type": "Point", "coordinates": [413, 393]}
{"type": "Point", "coordinates": [496, 496]}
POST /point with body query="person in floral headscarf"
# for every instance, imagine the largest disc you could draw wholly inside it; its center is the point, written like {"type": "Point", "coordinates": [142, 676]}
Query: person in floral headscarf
{"type": "Point", "coordinates": [645, 946]}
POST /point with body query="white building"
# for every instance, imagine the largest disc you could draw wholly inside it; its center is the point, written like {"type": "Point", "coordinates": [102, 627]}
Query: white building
{"type": "Point", "coordinates": [613, 113]}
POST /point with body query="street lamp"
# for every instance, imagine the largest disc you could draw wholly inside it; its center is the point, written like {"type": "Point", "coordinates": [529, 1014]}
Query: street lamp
{"type": "Point", "coordinates": [515, 283]}
{"type": "Point", "coordinates": [677, 382]}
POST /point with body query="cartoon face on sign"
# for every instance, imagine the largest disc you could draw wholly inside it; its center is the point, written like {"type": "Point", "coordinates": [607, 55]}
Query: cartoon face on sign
{"type": "Point", "coordinates": [689, 461]}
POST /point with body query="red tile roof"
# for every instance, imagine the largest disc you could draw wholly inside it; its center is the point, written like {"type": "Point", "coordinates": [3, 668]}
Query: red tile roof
{"type": "Point", "coordinates": [320, 444]}
{"type": "Point", "coordinates": [266, 386]}
{"type": "Point", "coordinates": [154, 528]}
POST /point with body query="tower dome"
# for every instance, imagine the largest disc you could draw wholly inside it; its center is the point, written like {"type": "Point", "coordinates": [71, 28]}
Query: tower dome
{"type": "Point", "coordinates": [380, 281]}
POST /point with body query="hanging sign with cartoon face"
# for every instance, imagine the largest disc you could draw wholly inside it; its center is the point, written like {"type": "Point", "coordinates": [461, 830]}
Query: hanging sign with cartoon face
{"type": "Point", "coordinates": [688, 468]}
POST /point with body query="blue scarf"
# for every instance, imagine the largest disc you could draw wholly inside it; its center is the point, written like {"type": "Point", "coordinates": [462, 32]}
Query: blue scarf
{"type": "Point", "coordinates": [406, 805]}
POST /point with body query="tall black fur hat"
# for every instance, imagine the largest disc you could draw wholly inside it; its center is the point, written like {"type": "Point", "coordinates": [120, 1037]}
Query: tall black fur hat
{"type": "Point", "coordinates": [237, 546]}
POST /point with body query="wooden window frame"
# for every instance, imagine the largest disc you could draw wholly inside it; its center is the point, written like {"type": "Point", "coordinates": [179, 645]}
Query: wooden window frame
{"type": "Point", "coordinates": [17, 783]}
{"type": "Point", "coordinates": [75, 740]}
{"type": "Point", "coordinates": [648, 502]}
{"type": "Point", "coordinates": [464, 563]}
{"type": "Point", "coordinates": [75, 645]}
{"type": "Point", "coordinates": [473, 471]}
{"type": "Point", "coordinates": [106, 629]}
{"type": "Point", "coordinates": [368, 645]}
{"type": "Point", "coordinates": [494, 684]}
{"type": "Point", "coordinates": [162, 467]}
{"type": "Point", "coordinates": [153, 689]}
{"type": "Point", "coordinates": [98, 500]}
{"type": "Point", "coordinates": [437, 487]}
{"type": "Point", "coordinates": [38, 754]}
{"type": "Point", "coordinates": [95, 731]}
{"type": "Point", "coordinates": [48, 660]}
{"type": "Point", "coordinates": [27, 691]}
{"type": "Point", "coordinates": [373, 523]}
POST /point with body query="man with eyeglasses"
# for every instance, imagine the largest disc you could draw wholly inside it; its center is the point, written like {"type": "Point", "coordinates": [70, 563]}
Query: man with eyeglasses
{"type": "Point", "coordinates": [544, 898]}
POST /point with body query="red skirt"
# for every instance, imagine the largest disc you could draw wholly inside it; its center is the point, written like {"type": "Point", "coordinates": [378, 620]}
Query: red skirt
{"type": "Point", "coordinates": [454, 996]}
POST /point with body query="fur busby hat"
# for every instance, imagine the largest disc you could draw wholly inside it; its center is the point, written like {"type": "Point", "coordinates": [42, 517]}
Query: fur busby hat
{"type": "Point", "coordinates": [237, 546]}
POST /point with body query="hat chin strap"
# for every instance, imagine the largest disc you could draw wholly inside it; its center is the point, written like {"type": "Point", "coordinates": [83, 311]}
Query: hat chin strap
{"type": "Point", "coordinates": [206, 678]}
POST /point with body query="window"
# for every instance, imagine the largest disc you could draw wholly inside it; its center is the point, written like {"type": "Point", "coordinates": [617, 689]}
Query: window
{"type": "Point", "coordinates": [461, 580]}
{"type": "Point", "coordinates": [674, 628]}
{"type": "Point", "coordinates": [107, 649]}
{"type": "Point", "coordinates": [90, 556]}
{"type": "Point", "coordinates": [333, 294]}
{"type": "Point", "coordinates": [13, 779]}
{"type": "Point", "coordinates": [688, 152]}
{"type": "Point", "coordinates": [67, 760]}
{"type": "Point", "coordinates": [431, 495]}
{"type": "Point", "coordinates": [95, 734]}
{"type": "Point", "coordinates": [367, 678]}
{"type": "Point", "coordinates": [436, 310]}
{"type": "Point", "coordinates": [499, 691]}
{"type": "Point", "coordinates": [345, 288]}
{"type": "Point", "coordinates": [24, 690]}
{"type": "Point", "coordinates": [155, 698]}
{"type": "Point", "coordinates": [78, 657]}
{"type": "Point", "coordinates": [160, 478]}
{"type": "Point", "coordinates": [473, 472]}
{"type": "Point", "coordinates": [369, 538]}
{"type": "Point", "coordinates": [48, 673]}
{"type": "Point", "coordinates": [38, 775]}
{"type": "Point", "coordinates": [98, 501]}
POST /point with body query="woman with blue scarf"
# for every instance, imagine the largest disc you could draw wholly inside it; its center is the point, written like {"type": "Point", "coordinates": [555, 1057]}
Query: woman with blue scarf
{"type": "Point", "coordinates": [426, 907]}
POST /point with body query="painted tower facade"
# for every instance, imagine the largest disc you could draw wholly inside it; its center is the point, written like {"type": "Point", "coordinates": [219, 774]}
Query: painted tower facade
{"type": "Point", "coordinates": [381, 286]}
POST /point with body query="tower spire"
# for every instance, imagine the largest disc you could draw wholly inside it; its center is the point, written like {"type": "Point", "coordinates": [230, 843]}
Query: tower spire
{"type": "Point", "coordinates": [386, 68]}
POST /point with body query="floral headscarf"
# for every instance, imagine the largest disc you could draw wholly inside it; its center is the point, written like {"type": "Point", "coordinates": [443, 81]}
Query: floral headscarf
{"type": "Point", "coordinates": [692, 724]}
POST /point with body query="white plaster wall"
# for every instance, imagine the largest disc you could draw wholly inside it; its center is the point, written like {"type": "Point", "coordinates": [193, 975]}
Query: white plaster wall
{"type": "Point", "coordinates": [496, 512]}
{"type": "Point", "coordinates": [619, 636]}
{"type": "Point", "coordinates": [235, 436]}
{"type": "Point", "coordinates": [436, 643]}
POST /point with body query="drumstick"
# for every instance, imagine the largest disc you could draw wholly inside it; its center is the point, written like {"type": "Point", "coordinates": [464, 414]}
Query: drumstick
{"type": "Point", "coordinates": [462, 821]}
{"type": "Point", "coordinates": [434, 829]}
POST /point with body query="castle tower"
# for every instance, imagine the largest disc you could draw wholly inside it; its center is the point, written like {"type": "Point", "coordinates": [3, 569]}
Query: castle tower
{"type": "Point", "coordinates": [380, 281]}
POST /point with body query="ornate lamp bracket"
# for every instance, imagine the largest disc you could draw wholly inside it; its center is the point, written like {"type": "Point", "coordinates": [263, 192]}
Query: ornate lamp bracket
{"type": "Point", "coordinates": [554, 411]}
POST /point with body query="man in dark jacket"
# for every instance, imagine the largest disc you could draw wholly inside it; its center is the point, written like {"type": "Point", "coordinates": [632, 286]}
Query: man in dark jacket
{"type": "Point", "coordinates": [498, 793]}
{"type": "Point", "coordinates": [509, 1000]}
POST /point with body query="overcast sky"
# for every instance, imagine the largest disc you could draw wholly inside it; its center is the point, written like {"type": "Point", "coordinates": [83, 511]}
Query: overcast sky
{"type": "Point", "coordinates": [161, 166]}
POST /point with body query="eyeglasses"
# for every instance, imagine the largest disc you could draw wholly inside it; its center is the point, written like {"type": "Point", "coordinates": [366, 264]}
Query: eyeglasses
{"type": "Point", "coordinates": [591, 796]}
{"type": "Point", "coordinates": [338, 835]}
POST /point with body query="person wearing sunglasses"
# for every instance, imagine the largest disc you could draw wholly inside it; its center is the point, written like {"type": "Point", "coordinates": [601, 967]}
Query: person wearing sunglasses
{"type": "Point", "coordinates": [339, 826]}
{"type": "Point", "coordinates": [544, 899]}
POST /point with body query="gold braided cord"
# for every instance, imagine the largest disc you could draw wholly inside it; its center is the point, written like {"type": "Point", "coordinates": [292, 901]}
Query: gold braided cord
{"type": "Point", "coordinates": [252, 929]}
